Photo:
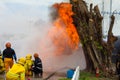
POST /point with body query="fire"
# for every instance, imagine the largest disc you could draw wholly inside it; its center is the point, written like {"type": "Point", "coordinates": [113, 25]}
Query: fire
{"type": "Point", "coordinates": [64, 34]}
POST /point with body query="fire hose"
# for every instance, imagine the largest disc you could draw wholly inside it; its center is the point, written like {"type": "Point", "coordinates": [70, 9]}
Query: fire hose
{"type": "Point", "coordinates": [53, 73]}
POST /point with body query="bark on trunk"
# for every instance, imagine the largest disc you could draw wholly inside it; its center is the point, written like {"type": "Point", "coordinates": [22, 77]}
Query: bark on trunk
{"type": "Point", "coordinates": [89, 26]}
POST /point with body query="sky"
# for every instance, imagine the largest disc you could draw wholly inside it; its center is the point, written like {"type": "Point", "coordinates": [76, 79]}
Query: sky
{"type": "Point", "coordinates": [115, 8]}
{"type": "Point", "coordinates": [26, 22]}
{"type": "Point", "coordinates": [19, 18]}
{"type": "Point", "coordinates": [13, 13]}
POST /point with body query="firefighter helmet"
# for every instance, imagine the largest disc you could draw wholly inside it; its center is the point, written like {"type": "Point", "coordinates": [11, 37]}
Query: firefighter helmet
{"type": "Point", "coordinates": [8, 45]}
{"type": "Point", "coordinates": [36, 55]}
{"type": "Point", "coordinates": [21, 60]}
{"type": "Point", "coordinates": [28, 56]}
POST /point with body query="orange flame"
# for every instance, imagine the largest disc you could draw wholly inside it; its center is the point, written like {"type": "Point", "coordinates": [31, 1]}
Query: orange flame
{"type": "Point", "coordinates": [66, 38]}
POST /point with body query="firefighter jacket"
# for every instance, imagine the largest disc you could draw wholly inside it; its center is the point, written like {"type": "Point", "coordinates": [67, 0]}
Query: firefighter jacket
{"type": "Point", "coordinates": [37, 67]}
{"type": "Point", "coordinates": [9, 53]}
{"type": "Point", "coordinates": [28, 66]}
{"type": "Point", "coordinates": [17, 72]}
{"type": "Point", "coordinates": [2, 68]}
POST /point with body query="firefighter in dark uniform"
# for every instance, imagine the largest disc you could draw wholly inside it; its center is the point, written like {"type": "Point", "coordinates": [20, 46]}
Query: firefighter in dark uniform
{"type": "Point", "coordinates": [8, 55]}
{"type": "Point", "coordinates": [37, 66]}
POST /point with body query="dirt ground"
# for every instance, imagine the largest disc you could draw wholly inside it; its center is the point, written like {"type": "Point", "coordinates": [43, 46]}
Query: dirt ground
{"type": "Point", "coordinates": [45, 75]}
{"type": "Point", "coordinates": [57, 77]}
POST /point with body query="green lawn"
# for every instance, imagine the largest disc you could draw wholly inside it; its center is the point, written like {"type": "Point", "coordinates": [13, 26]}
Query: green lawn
{"type": "Point", "coordinates": [84, 76]}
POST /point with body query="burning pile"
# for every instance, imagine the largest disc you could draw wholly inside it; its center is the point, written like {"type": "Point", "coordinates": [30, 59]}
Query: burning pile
{"type": "Point", "coordinates": [64, 34]}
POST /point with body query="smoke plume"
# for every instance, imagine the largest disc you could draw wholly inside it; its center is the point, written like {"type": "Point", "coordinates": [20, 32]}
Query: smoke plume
{"type": "Point", "coordinates": [57, 45]}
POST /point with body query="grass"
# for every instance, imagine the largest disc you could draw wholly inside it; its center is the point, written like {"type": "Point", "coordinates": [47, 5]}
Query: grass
{"type": "Point", "coordinates": [84, 76]}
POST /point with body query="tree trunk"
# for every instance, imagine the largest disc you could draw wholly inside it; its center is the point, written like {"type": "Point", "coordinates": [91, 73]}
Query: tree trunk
{"type": "Point", "coordinates": [89, 26]}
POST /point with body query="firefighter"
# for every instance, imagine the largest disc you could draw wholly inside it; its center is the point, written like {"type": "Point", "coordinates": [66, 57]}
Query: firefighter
{"type": "Point", "coordinates": [37, 66]}
{"type": "Point", "coordinates": [2, 68]}
{"type": "Point", "coordinates": [8, 55]}
{"type": "Point", "coordinates": [28, 65]}
{"type": "Point", "coordinates": [17, 72]}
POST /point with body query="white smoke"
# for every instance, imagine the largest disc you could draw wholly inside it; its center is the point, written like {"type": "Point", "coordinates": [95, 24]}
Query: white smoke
{"type": "Point", "coordinates": [34, 38]}
{"type": "Point", "coordinates": [40, 42]}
